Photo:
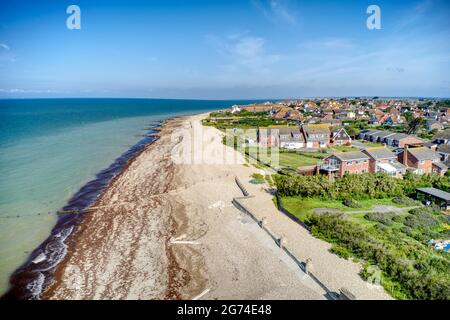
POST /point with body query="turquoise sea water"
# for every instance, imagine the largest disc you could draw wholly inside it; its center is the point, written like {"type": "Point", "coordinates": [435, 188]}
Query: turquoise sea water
{"type": "Point", "coordinates": [50, 148]}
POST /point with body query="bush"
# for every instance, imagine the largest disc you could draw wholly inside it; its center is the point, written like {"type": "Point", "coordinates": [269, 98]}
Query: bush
{"type": "Point", "coordinates": [410, 269]}
{"type": "Point", "coordinates": [359, 186]}
{"type": "Point", "coordinates": [381, 217]}
{"type": "Point", "coordinates": [351, 203]}
{"type": "Point", "coordinates": [424, 221]}
{"type": "Point", "coordinates": [404, 200]}
{"type": "Point", "coordinates": [257, 178]}
{"type": "Point", "coordinates": [423, 210]}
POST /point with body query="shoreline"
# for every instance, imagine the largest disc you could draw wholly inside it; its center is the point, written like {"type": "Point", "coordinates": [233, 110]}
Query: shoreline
{"type": "Point", "coordinates": [174, 280]}
{"type": "Point", "coordinates": [25, 281]}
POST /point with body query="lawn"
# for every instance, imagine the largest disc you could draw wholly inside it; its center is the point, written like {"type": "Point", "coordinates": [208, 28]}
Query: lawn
{"type": "Point", "coordinates": [302, 207]}
{"type": "Point", "coordinates": [286, 159]}
{"type": "Point", "coordinates": [345, 148]}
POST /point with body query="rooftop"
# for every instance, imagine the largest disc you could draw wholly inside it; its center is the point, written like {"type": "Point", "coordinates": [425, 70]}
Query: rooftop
{"type": "Point", "coordinates": [379, 153]}
{"type": "Point", "coordinates": [316, 128]}
{"type": "Point", "coordinates": [423, 153]}
{"type": "Point", "coordinates": [435, 193]}
{"type": "Point", "coordinates": [355, 155]}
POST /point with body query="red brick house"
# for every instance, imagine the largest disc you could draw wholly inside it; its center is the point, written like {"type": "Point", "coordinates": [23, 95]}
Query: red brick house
{"type": "Point", "coordinates": [338, 164]}
{"type": "Point", "coordinates": [422, 160]}
{"type": "Point", "coordinates": [384, 160]}
{"type": "Point", "coordinates": [268, 137]}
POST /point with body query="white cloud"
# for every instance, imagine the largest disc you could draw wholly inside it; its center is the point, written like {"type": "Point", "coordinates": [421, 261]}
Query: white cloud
{"type": "Point", "coordinates": [276, 10]}
{"type": "Point", "coordinates": [4, 46]}
{"type": "Point", "coordinates": [244, 52]}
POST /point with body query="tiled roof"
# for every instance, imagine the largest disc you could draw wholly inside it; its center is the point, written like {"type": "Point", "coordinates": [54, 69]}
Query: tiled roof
{"type": "Point", "coordinates": [346, 156]}
{"type": "Point", "coordinates": [379, 153]}
{"type": "Point", "coordinates": [316, 128]}
{"type": "Point", "coordinates": [423, 153]}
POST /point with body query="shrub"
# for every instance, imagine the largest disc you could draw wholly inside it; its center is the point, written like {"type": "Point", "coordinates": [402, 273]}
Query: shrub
{"type": "Point", "coordinates": [351, 203]}
{"type": "Point", "coordinates": [424, 221]}
{"type": "Point", "coordinates": [404, 200]}
{"type": "Point", "coordinates": [381, 217]}
{"type": "Point", "coordinates": [257, 178]}
{"type": "Point", "coordinates": [423, 210]}
{"type": "Point", "coordinates": [410, 269]}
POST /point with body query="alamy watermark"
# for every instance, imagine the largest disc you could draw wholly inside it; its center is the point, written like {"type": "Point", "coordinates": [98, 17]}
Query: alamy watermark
{"type": "Point", "coordinates": [73, 22]}
{"type": "Point", "coordinates": [197, 145]}
{"type": "Point", "coordinates": [374, 20]}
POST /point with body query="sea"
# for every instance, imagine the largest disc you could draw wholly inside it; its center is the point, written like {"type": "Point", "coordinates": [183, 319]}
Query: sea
{"type": "Point", "coordinates": [56, 156]}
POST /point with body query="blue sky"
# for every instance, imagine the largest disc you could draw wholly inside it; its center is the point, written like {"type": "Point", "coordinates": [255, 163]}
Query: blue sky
{"type": "Point", "coordinates": [224, 49]}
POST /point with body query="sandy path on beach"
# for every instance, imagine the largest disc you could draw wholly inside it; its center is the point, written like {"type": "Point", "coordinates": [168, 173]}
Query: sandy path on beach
{"type": "Point", "coordinates": [166, 229]}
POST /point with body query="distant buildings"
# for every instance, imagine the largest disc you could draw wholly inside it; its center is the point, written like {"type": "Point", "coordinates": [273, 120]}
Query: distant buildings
{"type": "Point", "coordinates": [390, 138]}
{"type": "Point", "coordinates": [311, 136]}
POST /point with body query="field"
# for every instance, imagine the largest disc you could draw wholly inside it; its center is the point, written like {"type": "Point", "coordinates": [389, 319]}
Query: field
{"type": "Point", "coordinates": [302, 207]}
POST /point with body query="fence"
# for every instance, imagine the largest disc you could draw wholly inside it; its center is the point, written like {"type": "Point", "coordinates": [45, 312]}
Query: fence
{"type": "Point", "coordinates": [280, 240]}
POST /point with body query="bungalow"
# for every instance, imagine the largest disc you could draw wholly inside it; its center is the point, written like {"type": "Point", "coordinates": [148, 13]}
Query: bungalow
{"type": "Point", "coordinates": [365, 134]}
{"type": "Point", "coordinates": [402, 139]}
{"type": "Point", "coordinates": [421, 160]}
{"type": "Point", "coordinates": [380, 136]}
{"type": "Point", "coordinates": [339, 164]}
{"type": "Point", "coordinates": [384, 160]}
{"type": "Point", "coordinates": [340, 137]}
{"type": "Point", "coordinates": [316, 135]}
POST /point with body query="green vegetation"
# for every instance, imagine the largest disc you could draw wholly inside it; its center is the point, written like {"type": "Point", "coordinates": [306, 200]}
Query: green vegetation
{"type": "Point", "coordinates": [410, 269]}
{"type": "Point", "coordinates": [385, 218]}
{"type": "Point", "coordinates": [351, 203]}
{"type": "Point", "coordinates": [393, 241]}
{"type": "Point", "coordinates": [257, 178]}
{"type": "Point", "coordinates": [243, 120]}
{"type": "Point", "coordinates": [357, 186]}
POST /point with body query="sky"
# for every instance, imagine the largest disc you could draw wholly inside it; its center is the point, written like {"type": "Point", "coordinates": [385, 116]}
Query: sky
{"type": "Point", "coordinates": [247, 49]}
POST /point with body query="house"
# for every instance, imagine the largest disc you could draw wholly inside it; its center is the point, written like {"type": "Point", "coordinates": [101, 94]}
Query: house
{"type": "Point", "coordinates": [339, 164]}
{"type": "Point", "coordinates": [381, 159]}
{"type": "Point", "coordinates": [442, 137]}
{"type": "Point", "coordinates": [402, 139]}
{"type": "Point", "coordinates": [396, 140]}
{"type": "Point", "coordinates": [291, 138]}
{"type": "Point", "coordinates": [316, 135]}
{"type": "Point", "coordinates": [444, 151]}
{"type": "Point", "coordinates": [432, 124]}
{"type": "Point", "coordinates": [380, 136]}
{"type": "Point", "coordinates": [365, 134]}
{"type": "Point", "coordinates": [439, 168]}
{"type": "Point", "coordinates": [421, 160]}
{"type": "Point", "coordinates": [235, 109]}
{"type": "Point", "coordinates": [268, 137]}
{"type": "Point", "coordinates": [340, 137]}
